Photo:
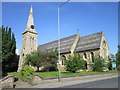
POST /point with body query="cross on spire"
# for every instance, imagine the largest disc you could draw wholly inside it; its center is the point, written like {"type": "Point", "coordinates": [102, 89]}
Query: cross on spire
{"type": "Point", "coordinates": [78, 31]}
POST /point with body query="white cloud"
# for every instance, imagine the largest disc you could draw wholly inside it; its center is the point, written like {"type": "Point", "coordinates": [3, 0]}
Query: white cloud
{"type": "Point", "coordinates": [17, 51]}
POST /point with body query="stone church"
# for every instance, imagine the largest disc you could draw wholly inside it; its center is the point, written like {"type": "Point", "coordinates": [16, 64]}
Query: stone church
{"type": "Point", "coordinates": [90, 46]}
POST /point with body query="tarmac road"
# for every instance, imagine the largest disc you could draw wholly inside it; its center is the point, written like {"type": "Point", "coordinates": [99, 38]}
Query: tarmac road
{"type": "Point", "coordinates": [91, 81]}
{"type": "Point", "coordinates": [107, 83]}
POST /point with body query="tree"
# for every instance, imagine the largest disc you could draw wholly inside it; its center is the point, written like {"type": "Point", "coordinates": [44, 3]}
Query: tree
{"type": "Point", "coordinates": [99, 64]}
{"type": "Point", "coordinates": [109, 65]}
{"type": "Point", "coordinates": [45, 59]}
{"type": "Point", "coordinates": [9, 58]}
{"type": "Point", "coordinates": [110, 60]}
{"type": "Point", "coordinates": [51, 60]}
{"type": "Point", "coordinates": [74, 63]}
{"type": "Point", "coordinates": [34, 59]}
{"type": "Point", "coordinates": [0, 49]}
{"type": "Point", "coordinates": [118, 57]}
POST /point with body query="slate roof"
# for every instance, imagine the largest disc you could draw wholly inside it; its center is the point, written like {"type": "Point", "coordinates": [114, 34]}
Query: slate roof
{"type": "Point", "coordinates": [65, 44]}
{"type": "Point", "coordinates": [89, 42]}
{"type": "Point", "coordinates": [85, 43]}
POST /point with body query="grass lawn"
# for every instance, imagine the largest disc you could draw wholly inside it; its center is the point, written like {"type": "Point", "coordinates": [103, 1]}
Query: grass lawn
{"type": "Point", "coordinates": [19, 76]}
{"type": "Point", "coordinates": [55, 73]}
{"type": "Point", "coordinates": [66, 73]}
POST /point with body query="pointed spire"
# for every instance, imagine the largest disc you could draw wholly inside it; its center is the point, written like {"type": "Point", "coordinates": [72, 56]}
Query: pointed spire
{"type": "Point", "coordinates": [30, 18]}
{"type": "Point", "coordinates": [30, 23]}
{"type": "Point", "coordinates": [31, 10]}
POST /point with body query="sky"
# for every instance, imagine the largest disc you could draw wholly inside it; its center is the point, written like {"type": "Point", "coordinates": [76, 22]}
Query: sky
{"type": "Point", "coordinates": [88, 17]}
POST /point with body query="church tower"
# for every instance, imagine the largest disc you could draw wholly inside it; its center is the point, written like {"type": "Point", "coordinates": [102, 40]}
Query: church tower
{"type": "Point", "coordinates": [29, 40]}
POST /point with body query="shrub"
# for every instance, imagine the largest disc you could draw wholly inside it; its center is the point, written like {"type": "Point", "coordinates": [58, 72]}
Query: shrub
{"type": "Point", "coordinates": [27, 71]}
{"type": "Point", "coordinates": [109, 65]}
{"type": "Point", "coordinates": [98, 64]}
{"type": "Point", "coordinates": [118, 68]}
{"type": "Point", "coordinates": [49, 67]}
{"type": "Point", "coordinates": [75, 63]}
{"type": "Point", "coordinates": [118, 58]}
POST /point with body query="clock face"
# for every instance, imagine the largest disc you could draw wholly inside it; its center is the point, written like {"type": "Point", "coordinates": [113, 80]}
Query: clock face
{"type": "Point", "coordinates": [32, 26]}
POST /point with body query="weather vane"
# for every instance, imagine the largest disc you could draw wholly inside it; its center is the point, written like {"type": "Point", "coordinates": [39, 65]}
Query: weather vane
{"type": "Point", "coordinates": [78, 30]}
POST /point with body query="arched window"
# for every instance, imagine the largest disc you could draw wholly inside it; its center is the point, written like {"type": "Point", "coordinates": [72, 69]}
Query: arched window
{"type": "Point", "coordinates": [104, 49]}
{"type": "Point", "coordinates": [85, 55]}
{"type": "Point", "coordinates": [63, 58]}
{"type": "Point", "coordinates": [92, 56]}
{"type": "Point", "coordinates": [32, 40]}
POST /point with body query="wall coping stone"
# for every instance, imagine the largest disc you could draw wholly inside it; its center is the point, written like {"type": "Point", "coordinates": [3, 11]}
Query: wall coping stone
{"type": "Point", "coordinates": [47, 78]}
{"type": "Point", "coordinates": [35, 74]}
{"type": "Point", "coordinates": [6, 77]}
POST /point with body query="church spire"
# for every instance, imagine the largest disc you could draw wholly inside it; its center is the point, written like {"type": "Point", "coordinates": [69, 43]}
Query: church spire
{"type": "Point", "coordinates": [29, 40]}
{"type": "Point", "coordinates": [30, 18]}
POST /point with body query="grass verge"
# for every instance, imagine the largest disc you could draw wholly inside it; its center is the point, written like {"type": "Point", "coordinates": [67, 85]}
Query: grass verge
{"type": "Point", "coordinates": [66, 73]}
{"type": "Point", "coordinates": [55, 73]}
{"type": "Point", "coordinates": [19, 76]}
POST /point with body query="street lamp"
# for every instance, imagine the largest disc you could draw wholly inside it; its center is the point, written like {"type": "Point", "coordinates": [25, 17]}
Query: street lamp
{"type": "Point", "coordinates": [59, 78]}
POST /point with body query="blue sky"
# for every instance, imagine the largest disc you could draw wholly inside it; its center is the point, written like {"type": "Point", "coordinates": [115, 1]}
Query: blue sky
{"type": "Point", "coordinates": [89, 17]}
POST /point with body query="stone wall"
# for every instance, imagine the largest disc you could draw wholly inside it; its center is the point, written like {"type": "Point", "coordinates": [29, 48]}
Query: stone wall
{"type": "Point", "coordinates": [35, 80]}
{"type": "Point", "coordinates": [7, 82]}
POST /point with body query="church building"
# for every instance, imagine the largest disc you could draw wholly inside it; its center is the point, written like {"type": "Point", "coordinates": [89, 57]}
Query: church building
{"type": "Point", "coordinates": [90, 46]}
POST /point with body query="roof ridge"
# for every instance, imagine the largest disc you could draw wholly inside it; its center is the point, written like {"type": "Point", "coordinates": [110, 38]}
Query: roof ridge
{"type": "Point", "coordinates": [57, 40]}
{"type": "Point", "coordinates": [91, 34]}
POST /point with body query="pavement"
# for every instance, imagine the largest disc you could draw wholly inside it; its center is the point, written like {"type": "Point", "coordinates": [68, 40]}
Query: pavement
{"type": "Point", "coordinates": [106, 83]}
{"type": "Point", "coordinates": [53, 83]}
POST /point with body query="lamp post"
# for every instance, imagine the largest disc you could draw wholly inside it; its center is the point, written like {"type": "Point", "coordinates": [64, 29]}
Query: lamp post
{"type": "Point", "coordinates": [59, 77]}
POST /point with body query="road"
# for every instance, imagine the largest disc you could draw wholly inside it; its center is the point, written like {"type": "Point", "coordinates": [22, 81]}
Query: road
{"type": "Point", "coordinates": [107, 83]}
{"type": "Point", "coordinates": [91, 81]}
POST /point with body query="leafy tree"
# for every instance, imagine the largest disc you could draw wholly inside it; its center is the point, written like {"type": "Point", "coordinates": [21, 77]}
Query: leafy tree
{"type": "Point", "coordinates": [9, 58]}
{"type": "Point", "coordinates": [110, 60]}
{"type": "Point", "coordinates": [1, 50]}
{"type": "Point", "coordinates": [109, 65]}
{"type": "Point", "coordinates": [51, 61]}
{"type": "Point", "coordinates": [118, 57]}
{"type": "Point", "coordinates": [75, 63]}
{"type": "Point", "coordinates": [43, 58]}
{"type": "Point", "coordinates": [112, 56]}
{"type": "Point", "coordinates": [99, 64]}
{"type": "Point", "coordinates": [34, 59]}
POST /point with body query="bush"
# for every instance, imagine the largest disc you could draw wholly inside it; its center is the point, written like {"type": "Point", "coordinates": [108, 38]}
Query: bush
{"type": "Point", "coordinates": [98, 64]}
{"type": "Point", "coordinates": [48, 67]}
{"type": "Point", "coordinates": [118, 58]}
{"type": "Point", "coordinates": [75, 63]}
{"type": "Point", "coordinates": [118, 67]}
{"type": "Point", "coordinates": [27, 71]}
{"type": "Point", "coordinates": [109, 65]}
{"type": "Point", "coordinates": [51, 61]}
